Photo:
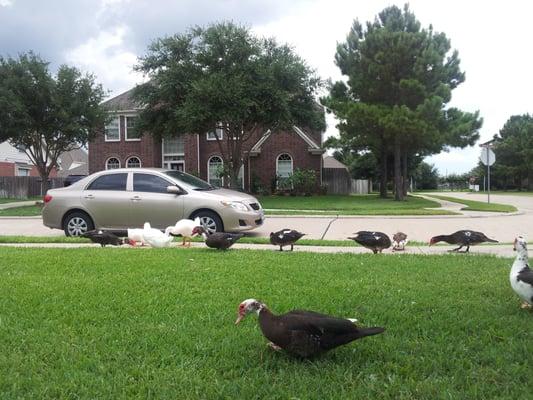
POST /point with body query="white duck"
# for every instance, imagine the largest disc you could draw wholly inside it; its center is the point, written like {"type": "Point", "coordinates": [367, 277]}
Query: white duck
{"type": "Point", "coordinates": [521, 275]}
{"type": "Point", "coordinates": [136, 236]}
{"type": "Point", "coordinates": [184, 228]}
{"type": "Point", "coordinates": [156, 238]}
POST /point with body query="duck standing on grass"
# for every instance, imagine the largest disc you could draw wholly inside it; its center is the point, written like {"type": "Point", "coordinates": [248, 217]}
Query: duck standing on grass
{"type": "Point", "coordinates": [285, 237]}
{"type": "Point", "coordinates": [217, 240]}
{"type": "Point", "coordinates": [375, 241]}
{"type": "Point", "coordinates": [399, 241]}
{"type": "Point", "coordinates": [156, 238]}
{"type": "Point", "coordinates": [184, 228]}
{"type": "Point", "coordinates": [521, 276]}
{"type": "Point", "coordinates": [304, 333]}
{"type": "Point", "coordinates": [462, 238]}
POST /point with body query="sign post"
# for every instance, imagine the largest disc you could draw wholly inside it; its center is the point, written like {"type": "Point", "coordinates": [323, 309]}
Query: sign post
{"type": "Point", "coordinates": [488, 158]}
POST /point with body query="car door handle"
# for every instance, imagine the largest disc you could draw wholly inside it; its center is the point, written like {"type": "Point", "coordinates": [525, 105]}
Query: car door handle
{"type": "Point", "coordinates": [136, 198]}
{"type": "Point", "coordinates": [89, 196]}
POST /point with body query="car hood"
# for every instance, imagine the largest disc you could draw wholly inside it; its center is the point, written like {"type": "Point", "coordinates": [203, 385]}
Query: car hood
{"type": "Point", "coordinates": [229, 195]}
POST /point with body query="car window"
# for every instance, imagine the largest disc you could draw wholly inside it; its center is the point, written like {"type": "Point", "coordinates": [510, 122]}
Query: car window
{"type": "Point", "coordinates": [149, 183]}
{"type": "Point", "coordinates": [109, 182]}
{"type": "Point", "coordinates": [196, 183]}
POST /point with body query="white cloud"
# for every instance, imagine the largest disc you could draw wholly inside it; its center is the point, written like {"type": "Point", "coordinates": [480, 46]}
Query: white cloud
{"type": "Point", "coordinates": [6, 3]}
{"type": "Point", "coordinates": [105, 56]}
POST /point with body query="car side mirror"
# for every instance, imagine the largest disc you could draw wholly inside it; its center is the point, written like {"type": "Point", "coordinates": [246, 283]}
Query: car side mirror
{"type": "Point", "coordinates": [174, 190]}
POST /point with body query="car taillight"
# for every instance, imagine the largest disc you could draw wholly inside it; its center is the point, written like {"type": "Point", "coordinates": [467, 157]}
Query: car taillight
{"type": "Point", "coordinates": [47, 198]}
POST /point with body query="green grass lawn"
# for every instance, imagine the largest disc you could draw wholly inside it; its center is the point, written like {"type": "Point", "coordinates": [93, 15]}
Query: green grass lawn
{"type": "Point", "coordinates": [4, 200]}
{"type": "Point", "coordinates": [24, 211]}
{"type": "Point", "coordinates": [349, 205]}
{"type": "Point", "coordinates": [132, 323]}
{"type": "Point", "coordinates": [472, 205]}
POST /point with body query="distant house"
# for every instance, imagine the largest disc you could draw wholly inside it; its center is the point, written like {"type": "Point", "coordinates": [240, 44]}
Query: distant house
{"type": "Point", "coordinates": [74, 162]}
{"type": "Point", "coordinates": [120, 144]}
{"type": "Point", "coordinates": [15, 162]}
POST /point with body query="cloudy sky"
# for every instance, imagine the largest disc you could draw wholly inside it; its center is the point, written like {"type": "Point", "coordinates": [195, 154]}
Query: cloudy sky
{"type": "Point", "coordinates": [106, 37]}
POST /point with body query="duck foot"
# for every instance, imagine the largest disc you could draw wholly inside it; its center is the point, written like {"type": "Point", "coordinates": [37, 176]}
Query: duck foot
{"type": "Point", "coordinates": [273, 346]}
{"type": "Point", "coordinates": [526, 305]}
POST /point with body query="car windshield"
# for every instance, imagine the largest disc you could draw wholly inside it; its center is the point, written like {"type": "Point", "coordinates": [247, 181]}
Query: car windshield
{"type": "Point", "coordinates": [196, 183]}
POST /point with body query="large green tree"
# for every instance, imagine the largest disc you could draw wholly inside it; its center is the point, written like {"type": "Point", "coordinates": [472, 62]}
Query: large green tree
{"type": "Point", "coordinates": [45, 114]}
{"type": "Point", "coordinates": [394, 100]}
{"type": "Point", "coordinates": [224, 77]}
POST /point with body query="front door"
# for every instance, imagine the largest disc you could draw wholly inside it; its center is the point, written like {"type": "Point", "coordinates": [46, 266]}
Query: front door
{"type": "Point", "coordinates": [152, 203]}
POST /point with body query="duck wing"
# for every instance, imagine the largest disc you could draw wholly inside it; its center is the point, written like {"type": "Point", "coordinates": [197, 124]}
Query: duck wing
{"type": "Point", "coordinates": [526, 275]}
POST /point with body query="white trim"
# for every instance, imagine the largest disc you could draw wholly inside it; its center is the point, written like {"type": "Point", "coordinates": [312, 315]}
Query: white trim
{"type": "Point", "coordinates": [105, 134]}
{"type": "Point", "coordinates": [208, 173]}
{"type": "Point", "coordinates": [305, 137]}
{"type": "Point", "coordinates": [257, 147]}
{"type": "Point", "coordinates": [116, 158]}
{"type": "Point", "coordinates": [126, 129]}
{"type": "Point", "coordinates": [198, 152]}
{"type": "Point", "coordinates": [129, 158]}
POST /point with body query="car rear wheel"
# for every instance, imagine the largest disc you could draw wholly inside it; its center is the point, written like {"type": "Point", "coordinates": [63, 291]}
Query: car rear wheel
{"type": "Point", "coordinates": [77, 223]}
{"type": "Point", "coordinates": [210, 221]}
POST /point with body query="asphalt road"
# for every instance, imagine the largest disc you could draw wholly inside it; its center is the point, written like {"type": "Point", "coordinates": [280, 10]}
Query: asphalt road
{"type": "Point", "coordinates": [420, 228]}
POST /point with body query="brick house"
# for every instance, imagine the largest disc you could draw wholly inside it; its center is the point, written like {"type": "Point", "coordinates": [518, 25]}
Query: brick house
{"type": "Point", "coordinates": [15, 162]}
{"type": "Point", "coordinates": [264, 157]}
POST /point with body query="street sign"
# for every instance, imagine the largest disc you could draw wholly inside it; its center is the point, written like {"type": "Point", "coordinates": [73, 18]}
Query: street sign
{"type": "Point", "coordinates": [487, 156]}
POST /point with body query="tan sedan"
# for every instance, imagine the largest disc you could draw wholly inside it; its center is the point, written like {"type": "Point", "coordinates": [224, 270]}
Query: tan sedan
{"type": "Point", "coordinates": [128, 197]}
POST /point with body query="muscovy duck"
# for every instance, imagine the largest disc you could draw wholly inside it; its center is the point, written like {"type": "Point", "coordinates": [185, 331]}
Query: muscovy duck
{"type": "Point", "coordinates": [136, 236]}
{"type": "Point", "coordinates": [521, 276]}
{"type": "Point", "coordinates": [375, 241]}
{"type": "Point", "coordinates": [104, 238]}
{"type": "Point", "coordinates": [304, 333]}
{"type": "Point", "coordinates": [217, 240]}
{"type": "Point", "coordinates": [462, 238]}
{"type": "Point", "coordinates": [285, 237]}
{"type": "Point", "coordinates": [156, 238]}
{"type": "Point", "coordinates": [399, 241]}
{"type": "Point", "coordinates": [184, 228]}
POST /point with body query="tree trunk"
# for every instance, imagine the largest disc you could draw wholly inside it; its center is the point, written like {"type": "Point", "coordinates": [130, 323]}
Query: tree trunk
{"type": "Point", "coordinates": [398, 190]}
{"type": "Point", "coordinates": [383, 173]}
{"type": "Point", "coordinates": [44, 181]}
{"type": "Point", "coordinates": [405, 174]}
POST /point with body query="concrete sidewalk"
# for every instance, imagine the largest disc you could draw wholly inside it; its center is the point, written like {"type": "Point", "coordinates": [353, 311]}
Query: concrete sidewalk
{"type": "Point", "coordinates": [15, 204]}
{"type": "Point", "coordinates": [500, 251]}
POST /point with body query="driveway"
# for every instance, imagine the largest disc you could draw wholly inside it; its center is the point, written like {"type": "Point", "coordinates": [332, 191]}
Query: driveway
{"type": "Point", "coordinates": [420, 228]}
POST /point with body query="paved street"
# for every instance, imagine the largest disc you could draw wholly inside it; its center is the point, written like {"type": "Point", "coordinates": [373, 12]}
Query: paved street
{"type": "Point", "coordinates": [420, 228]}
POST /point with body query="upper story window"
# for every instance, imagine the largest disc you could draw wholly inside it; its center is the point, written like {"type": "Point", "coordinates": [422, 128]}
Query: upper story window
{"type": "Point", "coordinates": [174, 146]}
{"type": "Point", "coordinates": [112, 163]}
{"type": "Point", "coordinates": [218, 132]}
{"type": "Point", "coordinates": [112, 130]}
{"type": "Point", "coordinates": [109, 182]}
{"type": "Point", "coordinates": [132, 133]}
{"type": "Point", "coordinates": [133, 162]}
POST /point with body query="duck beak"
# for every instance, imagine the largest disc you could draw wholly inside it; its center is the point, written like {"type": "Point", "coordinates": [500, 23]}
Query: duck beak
{"type": "Point", "coordinates": [239, 318]}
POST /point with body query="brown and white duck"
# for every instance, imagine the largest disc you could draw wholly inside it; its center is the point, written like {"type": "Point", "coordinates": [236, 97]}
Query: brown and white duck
{"type": "Point", "coordinates": [217, 240]}
{"type": "Point", "coordinates": [521, 276]}
{"type": "Point", "coordinates": [375, 241]}
{"type": "Point", "coordinates": [399, 241]}
{"type": "Point", "coordinates": [104, 238]}
{"type": "Point", "coordinates": [462, 238]}
{"type": "Point", "coordinates": [285, 237]}
{"type": "Point", "coordinates": [304, 333]}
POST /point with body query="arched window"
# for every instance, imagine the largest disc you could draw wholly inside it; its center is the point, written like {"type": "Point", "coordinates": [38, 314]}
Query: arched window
{"type": "Point", "coordinates": [112, 163]}
{"type": "Point", "coordinates": [214, 168]}
{"type": "Point", "coordinates": [133, 162]}
{"type": "Point", "coordinates": [283, 167]}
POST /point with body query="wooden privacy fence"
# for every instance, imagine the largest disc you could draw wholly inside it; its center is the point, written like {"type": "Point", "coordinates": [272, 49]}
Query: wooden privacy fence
{"type": "Point", "coordinates": [339, 181]}
{"type": "Point", "coordinates": [22, 187]}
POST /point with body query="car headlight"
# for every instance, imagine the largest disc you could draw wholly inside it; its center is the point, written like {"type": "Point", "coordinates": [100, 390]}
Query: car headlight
{"type": "Point", "coordinates": [237, 205]}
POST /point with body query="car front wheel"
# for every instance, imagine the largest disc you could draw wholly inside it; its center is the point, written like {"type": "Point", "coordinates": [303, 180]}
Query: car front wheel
{"type": "Point", "coordinates": [77, 223]}
{"type": "Point", "coordinates": [210, 221]}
